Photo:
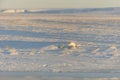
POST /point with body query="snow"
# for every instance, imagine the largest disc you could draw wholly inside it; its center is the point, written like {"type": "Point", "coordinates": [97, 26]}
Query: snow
{"type": "Point", "coordinates": [104, 11]}
{"type": "Point", "coordinates": [13, 11]}
{"type": "Point", "coordinates": [40, 42]}
{"type": "Point", "coordinates": [9, 11]}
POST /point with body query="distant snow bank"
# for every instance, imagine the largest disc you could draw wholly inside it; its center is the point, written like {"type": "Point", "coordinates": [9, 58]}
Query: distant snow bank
{"type": "Point", "coordinates": [14, 11]}
{"type": "Point", "coordinates": [22, 10]}
{"type": "Point", "coordinates": [114, 10]}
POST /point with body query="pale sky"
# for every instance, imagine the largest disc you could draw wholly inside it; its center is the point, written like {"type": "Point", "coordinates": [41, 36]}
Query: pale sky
{"type": "Point", "coordinates": [58, 3]}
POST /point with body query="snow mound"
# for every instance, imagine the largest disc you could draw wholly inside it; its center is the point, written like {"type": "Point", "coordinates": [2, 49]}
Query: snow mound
{"type": "Point", "coordinates": [14, 11]}
{"type": "Point", "coordinates": [112, 50]}
{"type": "Point", "coordinates": [69, 45]}
{"type": "Point", "coordinates": [13, 51]}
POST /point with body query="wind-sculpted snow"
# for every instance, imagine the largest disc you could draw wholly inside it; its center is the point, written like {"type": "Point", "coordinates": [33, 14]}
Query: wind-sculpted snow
{"type": "Point", "coordinates": [40, 42]}
{"type": "Point", "coordinates": [112, 11]}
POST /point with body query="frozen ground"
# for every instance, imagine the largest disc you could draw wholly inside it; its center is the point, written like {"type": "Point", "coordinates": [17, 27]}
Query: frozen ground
{"type": "Point", "coordinates": [30, 42]}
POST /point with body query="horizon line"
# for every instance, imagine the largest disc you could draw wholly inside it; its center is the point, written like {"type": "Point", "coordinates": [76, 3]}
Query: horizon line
{"type": "Point", "coordinates": [63, 8]}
